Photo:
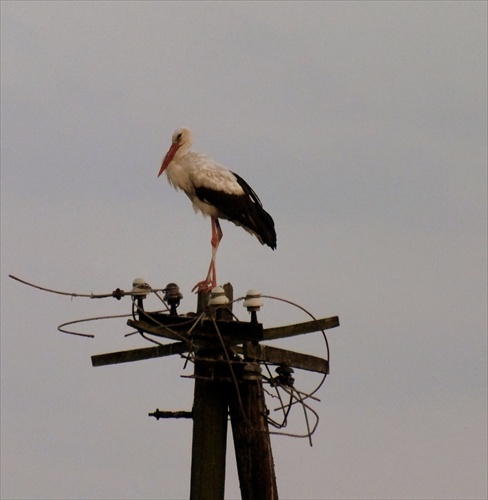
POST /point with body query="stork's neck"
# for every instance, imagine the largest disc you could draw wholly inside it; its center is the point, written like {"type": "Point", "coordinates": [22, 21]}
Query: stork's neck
{"type": "Point", "coordinates": [178, 172]}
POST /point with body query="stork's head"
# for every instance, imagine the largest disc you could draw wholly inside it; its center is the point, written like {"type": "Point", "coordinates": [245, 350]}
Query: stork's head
{"type": "Point", "coordinates": [180, 145]}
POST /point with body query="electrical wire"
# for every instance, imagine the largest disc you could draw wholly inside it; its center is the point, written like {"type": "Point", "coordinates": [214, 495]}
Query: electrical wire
{"type": "Point", "coordinates": [321, 330]}
{"type": "Point", "coordinates": [117, 293]}
{"type": "Point", "coordinates": [84, 320]}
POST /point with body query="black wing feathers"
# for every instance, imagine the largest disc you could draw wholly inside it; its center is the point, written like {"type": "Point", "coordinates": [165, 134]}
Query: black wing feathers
{"type": "Point", "coordinates": [243, 210]}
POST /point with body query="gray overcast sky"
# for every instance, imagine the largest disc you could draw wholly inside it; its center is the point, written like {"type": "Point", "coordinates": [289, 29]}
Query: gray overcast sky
{"type": "Point", "coordinates": [361, 125]}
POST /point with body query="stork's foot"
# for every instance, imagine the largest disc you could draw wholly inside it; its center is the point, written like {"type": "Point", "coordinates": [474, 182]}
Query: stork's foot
{"type": "Point", "coordinates": [209, 282]}
{"type": "Point", "coordinates": [205, 286]}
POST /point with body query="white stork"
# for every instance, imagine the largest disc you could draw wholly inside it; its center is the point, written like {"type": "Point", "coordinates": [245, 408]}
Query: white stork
{"type": "Point", "coordinates": [216, 192]}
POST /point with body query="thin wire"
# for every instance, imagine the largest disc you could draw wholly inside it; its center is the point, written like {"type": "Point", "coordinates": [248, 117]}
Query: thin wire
{"type": "Point", "coordinates": [167, 327]}
{"type": "Point", "coordinates": [305, 311]}
{"type": "Point", "coordinates": [195, 322]}
{"type": "Point", "coordinates": [322, 330]}
{"type": "Point", "coordinates": [301, 400]}
{"type": "Point", "coordinates": [190, 346]}
{"type": "Point", "coordinates": [88, 295]}
{"type": "Point", "coordinates": [86, 320]}
{"type": "Point", "coordinates": [150, 339]}
{"type": "Point", "coordinates": [298, 399]}
{"type": "Point", "coordinates": [306, 421]}
{"type": "Point", "coordinates": [94, 318]}
{"type": "Point", "coordinates": [307, 396]}
{"type": "Point", "coordinates": [162, 300]}
{"type": "Point", "coordinates": [285, 413]}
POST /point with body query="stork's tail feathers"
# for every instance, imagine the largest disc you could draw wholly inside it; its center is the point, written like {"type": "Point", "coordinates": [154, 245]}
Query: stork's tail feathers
{"type": "Point", "coordinates": [263, 227]}
{"type": "Point", "coordinates": [255, 219]}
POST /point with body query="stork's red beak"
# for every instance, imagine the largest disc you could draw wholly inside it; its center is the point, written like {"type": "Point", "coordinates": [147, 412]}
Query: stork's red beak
{"type": "Point", "coordinates": [169, 156]}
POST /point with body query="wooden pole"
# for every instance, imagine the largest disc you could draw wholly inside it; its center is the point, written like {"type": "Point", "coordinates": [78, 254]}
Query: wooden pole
{"type": "Point", "coordinates": [209, 432]}
{"type": "Point", "coordinates": [252, 443]}
{"type": "Point", "coordinates": [210, 414]}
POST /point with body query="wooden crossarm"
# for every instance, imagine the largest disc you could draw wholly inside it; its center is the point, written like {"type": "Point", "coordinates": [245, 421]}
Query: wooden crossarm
{"type": "Point", "coordinates": [281, 332]}
{"type": "Point", "coordinates": [159, 351]}
{"type": "Point", "coordinates": [278, 356]}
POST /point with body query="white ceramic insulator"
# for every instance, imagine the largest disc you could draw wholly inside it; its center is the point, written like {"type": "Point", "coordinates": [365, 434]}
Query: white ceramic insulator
{"type": "Point", "coordinates": [140, 287]}
{"type": "Point", "coordinates": [218, 297]}
{"type": "Point", "coordinates": [253, 300]}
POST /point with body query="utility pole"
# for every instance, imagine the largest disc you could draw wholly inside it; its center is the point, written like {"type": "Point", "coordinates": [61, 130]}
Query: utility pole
{"type": "Point", "coordinates": [210, 402]}
{"type": "Point", "coordinates": [227, 354]}
{"type": "Point", "coordinates": [252, 443]}
{"type": "Point", "coordinates": [209, 443]}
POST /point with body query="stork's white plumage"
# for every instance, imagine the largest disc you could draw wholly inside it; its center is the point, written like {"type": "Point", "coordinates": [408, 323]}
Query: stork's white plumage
{"type": "Point", "coordinates": [216, 192]}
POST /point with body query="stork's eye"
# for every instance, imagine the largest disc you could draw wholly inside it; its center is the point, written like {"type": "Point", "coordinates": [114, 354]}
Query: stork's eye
{"type": "Point", "coordinates": [178, 137]}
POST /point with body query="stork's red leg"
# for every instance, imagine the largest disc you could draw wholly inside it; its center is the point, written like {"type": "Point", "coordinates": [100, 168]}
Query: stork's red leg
{"type": "Point", "coordinates": [211, 280]}
{"type": "Point", "coordinates": [216, 235]}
